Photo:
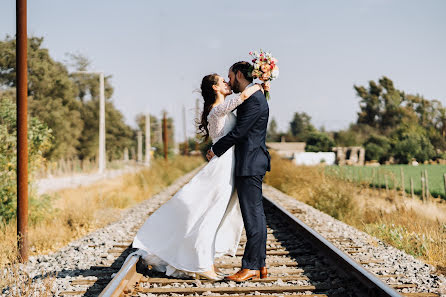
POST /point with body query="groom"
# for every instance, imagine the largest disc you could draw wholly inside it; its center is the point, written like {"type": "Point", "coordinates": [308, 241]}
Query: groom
{"type": "Point", "coordinates": [252, 160]}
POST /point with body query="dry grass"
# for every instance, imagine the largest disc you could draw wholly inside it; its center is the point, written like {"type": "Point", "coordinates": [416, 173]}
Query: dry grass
{"type": "Point", "coordinates": [312, 186]}
{"type": "Point", "coordinates": [78, 211]}
{"type": "Point", "coordinates": [418, 228]}
{"type": "Point", "coordinates": [408, 224]}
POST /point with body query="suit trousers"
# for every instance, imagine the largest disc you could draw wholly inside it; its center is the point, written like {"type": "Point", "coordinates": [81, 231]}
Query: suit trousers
{"type": "Point", "coordinates": [249, 190]}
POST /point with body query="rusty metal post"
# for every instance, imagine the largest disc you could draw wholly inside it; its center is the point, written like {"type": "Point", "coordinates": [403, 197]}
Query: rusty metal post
{"type": "Point", "coordinates": [22, 130]}
{"type": "Point", "coordinates": [165, 136]}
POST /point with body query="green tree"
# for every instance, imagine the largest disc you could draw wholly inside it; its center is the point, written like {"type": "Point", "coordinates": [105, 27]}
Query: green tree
{"type": "Point", "coordinates": [381, 104]}
{"type": "Point", "coordinates": [118, 135]}
{"type": "Point", "coordinates": [87, 83]}
{"type": "Point", "coordinates": [51, 94]}
{"type": "Point", "coordinates": [392, 113]}
{"type": "Point", "coordinates": [411, 141]}
{"type": "Point", "coordinates": [378, 147]}
{"type": "Point", "coordinates": [319, 142]}
{"type": "Point", "coordinates": [355, 135]}
{"type": "Point", "coordinates": [370, 104]}
{"type": "Point", "coordinates": [395, 115]}
{"type": "Point", "coordinates": [300, 126]}
{"type": "Point", "coordinates": [272, 134]}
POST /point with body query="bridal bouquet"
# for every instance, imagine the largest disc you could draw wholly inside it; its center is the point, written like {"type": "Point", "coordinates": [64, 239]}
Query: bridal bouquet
{"type": "Point", "coordinates": [264, 67]}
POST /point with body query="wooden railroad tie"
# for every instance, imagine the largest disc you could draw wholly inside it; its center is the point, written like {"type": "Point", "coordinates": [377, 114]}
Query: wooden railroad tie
{"type": "Point", "coordinates": [152, 280]}
{"type": "Point", "coordinates": [227, 290]}
{"type": "Point", "coordinates": [268, 264]}
{"type": "Point", "coordinates": [420, 295]}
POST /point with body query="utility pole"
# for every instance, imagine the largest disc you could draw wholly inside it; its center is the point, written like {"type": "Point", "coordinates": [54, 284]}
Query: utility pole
{"type": "Point", "coordinates": [102, 153]}
{"type": "Point", "coordinates": [102, 162]}
{"type": "Point", "coordinates": [186, 145]}
{"type": "Point", "coordinates": [22, 130]}
{"type": "Point", "coordinates": [165, 135]}
{"type": "Point", "coordinates": [126, 154]}
{"type": "Point", "coordinates": [148, 145]}
{"type": "Point", "coordinates": [159, 131]}
{"type": "Point", "coordinates": [139, 146]}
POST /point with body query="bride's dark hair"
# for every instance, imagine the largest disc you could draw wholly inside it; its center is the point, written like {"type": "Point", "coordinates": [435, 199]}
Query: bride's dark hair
{"type": "Point", "coordinates": [209, 97]}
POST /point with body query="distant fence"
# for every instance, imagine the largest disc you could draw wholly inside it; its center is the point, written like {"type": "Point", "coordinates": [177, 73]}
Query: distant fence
{"type": "Point", "coordinates": [423, 180]}
{"type": "Point", "coordinates": [73, 166]}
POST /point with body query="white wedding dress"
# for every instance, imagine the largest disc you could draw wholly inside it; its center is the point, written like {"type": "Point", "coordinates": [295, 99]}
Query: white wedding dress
{"type": "Point", "coordinates": [202, 220]}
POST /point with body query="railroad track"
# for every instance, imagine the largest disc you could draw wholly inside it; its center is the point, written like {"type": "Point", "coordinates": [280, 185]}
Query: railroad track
{"type": "Point", "coordinates": [299, 261]}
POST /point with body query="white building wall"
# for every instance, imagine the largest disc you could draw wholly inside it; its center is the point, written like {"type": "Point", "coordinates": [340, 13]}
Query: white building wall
{"type": "Point", "coordinates": [309, 158]}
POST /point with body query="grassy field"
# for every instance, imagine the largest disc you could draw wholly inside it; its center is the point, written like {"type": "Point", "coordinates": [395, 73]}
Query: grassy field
{"type": "Point", "coordinates": [376, 176]}
{"type": "Point", "coordinates": [417, 227]}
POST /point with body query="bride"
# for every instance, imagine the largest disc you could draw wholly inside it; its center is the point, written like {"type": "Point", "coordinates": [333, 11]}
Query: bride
{"type": "Point", "coordinates": [202, 221]}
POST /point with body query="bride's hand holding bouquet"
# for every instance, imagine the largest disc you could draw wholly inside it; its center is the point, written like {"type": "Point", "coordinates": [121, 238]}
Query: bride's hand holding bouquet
{"type": "Point", "coordinates": [264, 68]}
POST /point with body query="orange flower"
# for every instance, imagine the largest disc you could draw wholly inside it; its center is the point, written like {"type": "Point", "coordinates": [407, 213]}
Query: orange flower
{"type": "Point", "coordinates": [265, 76]}
{"type": "Point", "coordinates": [265, 67]}
{"type": "Point", "coordinates": [256, 73]}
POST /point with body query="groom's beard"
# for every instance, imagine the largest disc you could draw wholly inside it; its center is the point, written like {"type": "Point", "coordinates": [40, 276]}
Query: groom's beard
{"type": "Point", "coordinates": [236, 87]}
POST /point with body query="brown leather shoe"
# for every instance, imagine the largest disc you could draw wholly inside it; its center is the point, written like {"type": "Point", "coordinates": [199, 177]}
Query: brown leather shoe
{"type": "Point", "coordinates": [263, 272]}
{"type": "Point", "coordinates": [244, 275]}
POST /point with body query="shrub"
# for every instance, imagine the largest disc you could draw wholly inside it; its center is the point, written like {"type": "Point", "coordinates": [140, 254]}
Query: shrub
{"type": "Point", "coordinates": [310, 185]}
{"type": "Point", "coordinates": [38, 143]}
{"type": "Point", "coordinates": [412, 142]}
{"type": "Point", "coordinates": [377, 148]}
{"type": "Point", "coordinates": [319, 142]}
{"type": "Point", "coordinates": [334, 200]}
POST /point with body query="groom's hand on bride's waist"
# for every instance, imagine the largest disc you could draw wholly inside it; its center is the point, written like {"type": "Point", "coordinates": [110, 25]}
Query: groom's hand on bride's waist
{"type": "Point", "coordinates": [210, 154]}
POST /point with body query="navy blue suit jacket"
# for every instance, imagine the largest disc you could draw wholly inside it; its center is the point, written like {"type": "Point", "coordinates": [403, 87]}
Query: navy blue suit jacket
{"type": "Point", "coordinates": [248, 136]}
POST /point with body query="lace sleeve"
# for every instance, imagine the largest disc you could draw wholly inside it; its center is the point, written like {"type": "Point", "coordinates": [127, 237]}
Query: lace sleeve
{"type": "Point", "coordinates": [227, 106]}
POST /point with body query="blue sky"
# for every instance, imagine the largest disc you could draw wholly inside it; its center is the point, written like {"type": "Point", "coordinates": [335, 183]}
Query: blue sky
{"type": "Point", "coordinates": [158, 51]}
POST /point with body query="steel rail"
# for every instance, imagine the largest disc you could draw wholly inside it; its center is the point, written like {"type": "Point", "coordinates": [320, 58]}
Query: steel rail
{"type": "Point", "coordinates": [374, 285]}
{"type": "Point", "coordinates": [124, 279]}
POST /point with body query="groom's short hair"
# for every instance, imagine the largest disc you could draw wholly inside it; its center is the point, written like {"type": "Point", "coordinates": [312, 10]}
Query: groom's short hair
{"type": "Point", "coordinates": [244, 67]}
